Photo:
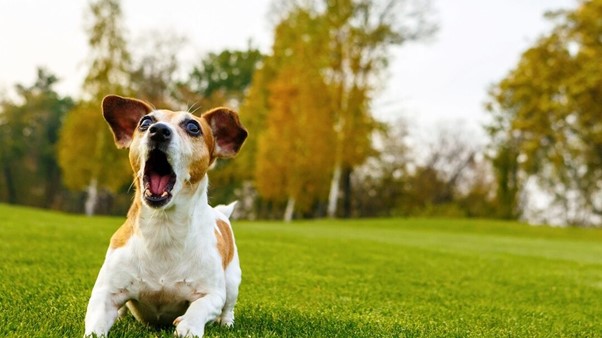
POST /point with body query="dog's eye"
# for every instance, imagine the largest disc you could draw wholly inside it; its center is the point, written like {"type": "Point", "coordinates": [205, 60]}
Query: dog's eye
{"type": "Point", "coordinates": [193, 128]}
{"type": "Point", "coordinates": [145, 122]}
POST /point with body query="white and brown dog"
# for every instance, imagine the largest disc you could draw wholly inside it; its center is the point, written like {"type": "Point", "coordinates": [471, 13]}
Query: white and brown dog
{"type": "Point", "coordinates": [174, 259]}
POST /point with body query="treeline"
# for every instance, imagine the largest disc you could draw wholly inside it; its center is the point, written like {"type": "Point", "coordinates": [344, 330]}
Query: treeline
{"type": "Point", "coordinates": [315, 149]}
{"type": "Point", "coordinates": [546, 133]}
{"type": "Point", "coordinates": [312, 149]}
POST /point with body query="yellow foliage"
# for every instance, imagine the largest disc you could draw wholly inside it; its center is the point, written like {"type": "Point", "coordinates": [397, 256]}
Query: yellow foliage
{"type": "Point", "coordinates": [86, 151]}
{"type": "Point", "coordinates": [295, 151]}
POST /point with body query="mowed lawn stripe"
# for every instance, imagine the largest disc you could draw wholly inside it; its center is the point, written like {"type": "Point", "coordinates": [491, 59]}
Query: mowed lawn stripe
{"type": "Point", "coordinates": [573, 248]}
{"type": "Point", "coordinates": [357, 278]}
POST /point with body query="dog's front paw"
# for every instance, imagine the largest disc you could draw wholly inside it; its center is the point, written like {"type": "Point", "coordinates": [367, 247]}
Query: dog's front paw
{"type": "Point", "coordinates": [185, 328]}
{"type": "Point", "coordinates": [226, 319]}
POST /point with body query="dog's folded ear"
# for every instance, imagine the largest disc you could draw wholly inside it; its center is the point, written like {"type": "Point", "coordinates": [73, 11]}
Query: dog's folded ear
{"type": "Point", "coordinates": [123, 115]}
{"type": "Point", "coordinates": [228, 132]}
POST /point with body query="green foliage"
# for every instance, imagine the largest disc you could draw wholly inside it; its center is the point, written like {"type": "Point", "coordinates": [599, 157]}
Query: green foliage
{"type": "Point", "coordinates": [29, 134]}
{"type": "Point", "coordinates": [226, 74]}
{"type": "Point", "coordinates": [370, 278]}
{"type": "Point", "coordinates": [221, 79]}
{"type": "Point", "coordinates": [546, 115]}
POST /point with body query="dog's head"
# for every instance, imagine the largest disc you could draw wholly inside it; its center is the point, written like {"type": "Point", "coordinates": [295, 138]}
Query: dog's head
{"type": "Point", "coordinates": [170, 152]}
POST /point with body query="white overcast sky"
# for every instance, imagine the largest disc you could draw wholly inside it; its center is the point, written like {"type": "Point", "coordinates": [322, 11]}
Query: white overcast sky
{"type": "Point", "coordinates": [443, 81]}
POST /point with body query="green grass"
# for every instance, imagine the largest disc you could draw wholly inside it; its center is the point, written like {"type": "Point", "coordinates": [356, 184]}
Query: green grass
{"type": "Point", "coordinates": [361, 278]}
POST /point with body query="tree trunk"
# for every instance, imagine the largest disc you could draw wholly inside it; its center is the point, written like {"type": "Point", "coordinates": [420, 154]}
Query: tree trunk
{"type": "Point", "coordinates": [92, 197]}
{"type": "Point", "coordinates": [290, 209]}
{"type": "Point", "coordinates": [347, 192]}
{"type": "Point", "coordinates": [333, 196]}
{"type": "Point", "coordinates": [10, 184]}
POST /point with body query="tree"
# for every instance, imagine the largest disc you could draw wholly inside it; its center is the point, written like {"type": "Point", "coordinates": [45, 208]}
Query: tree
{"type": "Point", "coordinates": [546, 116]}
{"type": "Point", "coordinates": [226, 75]}
{"type": "Point", "coordinates": [290, 107]}
{"type": "Point", "coordinates": [447, 177]}
{"type": "Point", "coordinates": [345, 44]}
{"type": "Point", "coordinates": [381, 180]}
{"type": "Point", "coordinates": [506, 166]}
{"type": "Point", "coordinates": [298, 128]}
{"type": "Point", "coordinates": [29, 133]}
{"type": "Point", "coordinates": [253, 115]}
{"type": "Point", "coordinates": [360, 34]}
{"type": "Point", "coordinates": [87, 154]}
{"type": "Point", "coordinates": [451, 173]}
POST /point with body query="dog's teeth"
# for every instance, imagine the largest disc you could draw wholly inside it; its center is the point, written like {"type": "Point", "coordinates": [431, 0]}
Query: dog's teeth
{"type": "Point", "coordinates": [164, 194]}
{"type": "Point", "coordinates": [147, 193]}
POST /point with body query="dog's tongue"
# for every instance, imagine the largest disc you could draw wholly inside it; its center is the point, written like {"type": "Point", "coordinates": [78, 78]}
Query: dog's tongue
{"type": "Point", "coordinates": [158, 183]}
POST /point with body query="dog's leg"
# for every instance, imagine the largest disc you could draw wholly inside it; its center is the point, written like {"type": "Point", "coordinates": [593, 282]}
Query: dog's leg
{"type": "Point", "coordinates": [101, 314]}
{"type": "Point", "coordinates": [104, 305]}
{"type": "Point", "coordinates": [201, 311]}
{"type": "Point", "coordinates": [233, 277]}
{"type": "Point", "coordinates": [123, 311]}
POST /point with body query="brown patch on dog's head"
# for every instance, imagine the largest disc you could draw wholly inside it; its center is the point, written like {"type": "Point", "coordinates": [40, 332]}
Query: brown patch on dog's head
{"type": "Point", "coordinates": [203, 150]}
{"type": "Point", "coordinates": [122, 114]}
{"type": "Point", "coordinates": [228, 132]}
{"type": "Point", "coordinates": [223, 136]}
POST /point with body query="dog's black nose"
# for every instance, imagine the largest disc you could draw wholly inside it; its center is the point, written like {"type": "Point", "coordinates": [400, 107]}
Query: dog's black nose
{"type": "Point", "coordinates": [160, 132]}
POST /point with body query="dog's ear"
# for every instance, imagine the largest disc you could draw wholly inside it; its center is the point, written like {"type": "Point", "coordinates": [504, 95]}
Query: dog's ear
{"type": "Point", "coordinates": [227, 131]}
{"type": "Point", "coordinates": [123, 114]}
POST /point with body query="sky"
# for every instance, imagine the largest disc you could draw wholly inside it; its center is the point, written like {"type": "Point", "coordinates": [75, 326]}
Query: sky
{"type": "Point", "coordinates": [442, 81]}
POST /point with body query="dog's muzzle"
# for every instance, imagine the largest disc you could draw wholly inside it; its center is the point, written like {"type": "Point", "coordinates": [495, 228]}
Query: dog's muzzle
{"type": "Point", "coordinates": [159, 177]}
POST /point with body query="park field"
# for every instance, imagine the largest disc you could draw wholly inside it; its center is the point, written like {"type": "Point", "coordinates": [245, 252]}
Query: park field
{"type": "Point", "coordinates": [356, 278]}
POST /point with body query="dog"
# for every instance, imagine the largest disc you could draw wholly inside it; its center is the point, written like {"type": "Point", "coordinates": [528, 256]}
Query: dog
{"type": "Point", "coordinates": [174, 260]}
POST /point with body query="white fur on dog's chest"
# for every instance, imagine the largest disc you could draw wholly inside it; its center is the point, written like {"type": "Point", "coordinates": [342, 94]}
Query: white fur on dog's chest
{"type": "Point", "coordinates": [185, 278]}
{"type": "Point", "coordinates": [165, 252]}
{"type": "Point", "coordinates": [160, 282]}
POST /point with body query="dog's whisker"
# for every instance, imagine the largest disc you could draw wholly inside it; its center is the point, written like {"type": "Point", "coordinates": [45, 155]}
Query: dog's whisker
{"type": "Point", "coordinates": [130, 187]}
{"type": "Point", "coordinates": [197, 108]}
{"type": "Point", "coordinates": [189, 106]}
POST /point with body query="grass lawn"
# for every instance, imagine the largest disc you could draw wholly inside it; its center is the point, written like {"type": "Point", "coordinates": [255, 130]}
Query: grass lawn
{"type": "Point", "coordinates": [359, 278]}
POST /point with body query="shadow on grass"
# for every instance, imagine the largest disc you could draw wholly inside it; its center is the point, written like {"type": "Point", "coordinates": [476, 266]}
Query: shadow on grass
{"type": "Point", "coordinates": [264, 322]}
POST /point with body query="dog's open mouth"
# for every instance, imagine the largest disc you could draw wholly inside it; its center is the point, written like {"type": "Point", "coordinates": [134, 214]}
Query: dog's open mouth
{"type": "Point", "coordinates": [159, 179]}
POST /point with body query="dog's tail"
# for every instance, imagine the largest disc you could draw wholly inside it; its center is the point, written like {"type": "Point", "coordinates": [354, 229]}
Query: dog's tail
{"type": "Point", "coordinates": [226, 209]}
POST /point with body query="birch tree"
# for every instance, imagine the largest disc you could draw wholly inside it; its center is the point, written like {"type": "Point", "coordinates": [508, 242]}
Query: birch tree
{"type": "Point", "coordinates": [361, 34]}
